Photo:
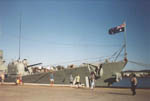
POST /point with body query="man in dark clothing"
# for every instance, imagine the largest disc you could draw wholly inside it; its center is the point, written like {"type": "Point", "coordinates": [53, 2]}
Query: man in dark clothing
{"type": "Point", "coordinates": [133, 84]}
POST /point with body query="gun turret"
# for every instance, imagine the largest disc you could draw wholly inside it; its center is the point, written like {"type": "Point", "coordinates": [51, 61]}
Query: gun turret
{"type": "Point", "coordinates": [27, 67]}
{"type": "Point", "coordinates": [34, 65]}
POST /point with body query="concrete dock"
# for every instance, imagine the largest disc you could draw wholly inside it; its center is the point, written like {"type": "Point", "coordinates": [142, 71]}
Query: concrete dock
{"type": "Point", "coordinates": [47, 93]}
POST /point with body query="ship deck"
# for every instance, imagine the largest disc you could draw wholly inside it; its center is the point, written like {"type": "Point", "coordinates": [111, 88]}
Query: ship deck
{"type": "Point", "coordinates": [12, 92]}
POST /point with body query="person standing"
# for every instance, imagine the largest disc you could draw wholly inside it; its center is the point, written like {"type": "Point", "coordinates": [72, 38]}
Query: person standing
{"type": "Point", "coordinates": [51, 78]}
{"type": "Point", "coordinates": [20, 79]}
{"type": "Point", "coordinates": [78, 80]}
{"type": "Point", "coordinates": [92, 78]}
{"type": "Point", "coordinates": [133, 84]}
{"type": "Point", "coordinates": [17, 80]}
{"type": "Point", "coordinates": [2, 76]}
{"type": "Point", "coordinates": [71, 79]}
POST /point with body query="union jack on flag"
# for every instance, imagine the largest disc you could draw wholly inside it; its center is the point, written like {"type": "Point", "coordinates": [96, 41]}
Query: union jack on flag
{"type": "Point", "coordinates": [120, 28]}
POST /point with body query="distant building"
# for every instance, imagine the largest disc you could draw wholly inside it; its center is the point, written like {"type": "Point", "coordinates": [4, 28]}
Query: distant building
{"type": "Point", "coordinates": [141, 73]}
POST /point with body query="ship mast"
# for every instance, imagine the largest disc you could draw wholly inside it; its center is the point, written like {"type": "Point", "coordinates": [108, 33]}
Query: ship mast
{"type": "Point", "coordinates": [125, 35]}
{"type": "Point", "coordinates": [20, 37]}
{"type": "Point", "coordinates": [124, 45]}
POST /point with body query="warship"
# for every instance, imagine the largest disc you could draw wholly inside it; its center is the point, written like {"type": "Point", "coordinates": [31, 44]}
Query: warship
{"type": "Point", "coordinates": [106, 72]}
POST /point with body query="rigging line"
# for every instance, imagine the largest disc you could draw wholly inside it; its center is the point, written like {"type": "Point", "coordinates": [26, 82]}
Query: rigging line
{"type": "Point", "coordinates": [120, 52]}
{"type": "Point", "coordinates": [79, 60]}
{"type": "Point", "coordinates": [141, 64]}
{"type": "Point", "coordinates": [116, 52]}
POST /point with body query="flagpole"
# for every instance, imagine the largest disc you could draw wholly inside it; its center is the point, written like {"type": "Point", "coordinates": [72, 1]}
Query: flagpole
{"type": "Point", "coordinates": [125, 35]}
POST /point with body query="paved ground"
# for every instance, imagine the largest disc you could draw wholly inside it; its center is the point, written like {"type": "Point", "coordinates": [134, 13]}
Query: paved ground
{"type": "Point", "coordinates": [46, 93]}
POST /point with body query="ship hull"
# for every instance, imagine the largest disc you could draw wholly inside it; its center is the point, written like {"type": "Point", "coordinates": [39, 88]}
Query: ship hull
{"type": "Point", "coordinates": [63, 76]}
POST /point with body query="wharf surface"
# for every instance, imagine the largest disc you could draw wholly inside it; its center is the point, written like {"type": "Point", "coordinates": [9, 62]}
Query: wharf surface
{"type": "Point", "coordinates": [11, 92]}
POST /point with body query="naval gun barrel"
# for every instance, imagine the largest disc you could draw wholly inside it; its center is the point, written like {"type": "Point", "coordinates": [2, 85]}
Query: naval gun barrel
{"type": "Point", "coordinates": [34, 65]}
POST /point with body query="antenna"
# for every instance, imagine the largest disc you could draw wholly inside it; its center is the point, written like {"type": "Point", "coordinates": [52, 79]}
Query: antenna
{"type": "Point", "coordinates": [20, 36]}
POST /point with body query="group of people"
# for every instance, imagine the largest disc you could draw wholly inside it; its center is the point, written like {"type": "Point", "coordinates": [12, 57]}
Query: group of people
{"type": "Point", "coordinates": [18, 80]}
{"type": "Point", "coordinates": [76, 80]}
{"type": "Point", "coordinates": [73, 81]}
{"type": "Point", "coordinates": [92, 81]}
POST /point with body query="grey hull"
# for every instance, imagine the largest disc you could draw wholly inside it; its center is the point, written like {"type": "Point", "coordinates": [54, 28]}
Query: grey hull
{"type": "Point", "coordinates": [62, 76]}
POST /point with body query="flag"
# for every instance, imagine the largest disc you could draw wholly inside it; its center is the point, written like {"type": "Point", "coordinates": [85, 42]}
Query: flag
{"type": "Point", "coordinates": [120, 28]}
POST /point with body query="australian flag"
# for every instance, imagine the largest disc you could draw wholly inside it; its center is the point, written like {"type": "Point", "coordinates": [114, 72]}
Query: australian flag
{"type": "Point", "coordinates": [120, 28]}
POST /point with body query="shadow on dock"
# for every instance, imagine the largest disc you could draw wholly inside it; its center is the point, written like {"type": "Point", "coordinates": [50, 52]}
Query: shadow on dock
{"type": "Point", "coordinates": [114, 93]}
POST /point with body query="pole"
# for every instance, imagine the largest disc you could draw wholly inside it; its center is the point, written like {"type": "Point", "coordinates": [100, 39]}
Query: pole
{"type": "Point", "coordinates": [20, 37]}
{"type": "Point", "coordinates": [125, 35]}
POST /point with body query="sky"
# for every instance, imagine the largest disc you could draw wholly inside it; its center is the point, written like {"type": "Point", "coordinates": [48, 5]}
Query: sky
{"type": "Point", "coordinates": [64, 31]}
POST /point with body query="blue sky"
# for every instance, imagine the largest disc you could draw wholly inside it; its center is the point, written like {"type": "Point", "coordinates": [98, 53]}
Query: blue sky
{"type": "Point", "coordinates": [57, 31]}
